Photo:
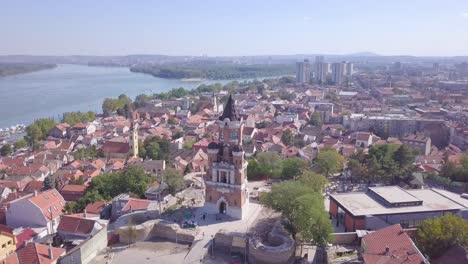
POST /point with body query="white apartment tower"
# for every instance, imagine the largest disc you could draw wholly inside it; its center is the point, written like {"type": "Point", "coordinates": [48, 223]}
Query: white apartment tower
{"type": "Point", "coordinates": [338, 71]}
{"type": "Point", "coordinates": [303, 71]}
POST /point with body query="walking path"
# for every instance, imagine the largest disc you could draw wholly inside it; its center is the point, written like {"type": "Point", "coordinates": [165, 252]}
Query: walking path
{"type": "Point", "coordinates": [211, 226]}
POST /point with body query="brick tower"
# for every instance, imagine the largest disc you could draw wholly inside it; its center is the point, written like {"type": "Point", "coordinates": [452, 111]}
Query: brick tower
{"type": "Point", "coordinates": [226, 177]}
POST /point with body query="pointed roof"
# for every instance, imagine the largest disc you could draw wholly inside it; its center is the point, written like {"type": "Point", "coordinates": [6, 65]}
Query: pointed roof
{"type": "Point", "coordinates": [230, 111]}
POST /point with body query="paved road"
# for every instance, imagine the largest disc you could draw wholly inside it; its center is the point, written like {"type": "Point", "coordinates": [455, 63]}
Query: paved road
{"type": "Point", "coordinates": [211, 226]}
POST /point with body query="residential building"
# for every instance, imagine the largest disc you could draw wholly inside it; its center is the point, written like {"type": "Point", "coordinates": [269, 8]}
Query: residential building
{"type": "Point", "coordinates": [7, 242]}
{"type": "Point", "coordinates": [38, 210]}
{"type": "Point", "coordinates": [81, 129]}
{"type": "Point", "coordinates": [419, 142]}
{"type": "Point", "coordinates": [390, 245]}
{"type": "Point", "coordinates": [303, 71]}
{"type": "Point", "coordinates": [72, 192]}
{"type": "Point", "coordinates": [37, 254]}
{"type": "Point", "coordinates": [349, 69]}
{"type": "Point", "coordinates": [226, 178]}
{"type": "Point", "coordinates": [338, 72]}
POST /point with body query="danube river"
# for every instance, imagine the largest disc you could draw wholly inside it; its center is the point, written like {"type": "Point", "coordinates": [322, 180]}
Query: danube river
{"type": "Point", "coordinates": [49, 93]}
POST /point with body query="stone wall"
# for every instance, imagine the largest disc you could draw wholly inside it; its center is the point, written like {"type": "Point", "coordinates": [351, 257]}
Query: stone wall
{"type": "Point", "coordinates": [157, 228]}
{"type": "Point", "coordinates": [136, 218]}
{"type": "Point", "coordinates": [344, 238]}
{"type": "Point", "coordinates": [278, 249]}
{"type": "Point", "coordinates": [88, 250]}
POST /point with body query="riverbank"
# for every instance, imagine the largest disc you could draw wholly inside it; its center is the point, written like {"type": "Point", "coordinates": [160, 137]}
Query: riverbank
{"type": "Point", "coordinates": [11, 69]}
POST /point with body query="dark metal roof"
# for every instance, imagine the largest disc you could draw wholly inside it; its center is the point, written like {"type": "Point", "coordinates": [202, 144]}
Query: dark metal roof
{"type": "Point", "coordinates": [230, 111]}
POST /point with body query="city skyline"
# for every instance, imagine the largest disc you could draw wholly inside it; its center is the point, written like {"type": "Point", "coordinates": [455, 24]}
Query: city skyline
{"type": "Point", "coordinates": [188, 28]}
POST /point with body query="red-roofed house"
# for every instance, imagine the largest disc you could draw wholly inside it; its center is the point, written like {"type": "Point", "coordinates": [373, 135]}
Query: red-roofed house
{"type": "Point", "coordinates": [36, 210]}
{"type": "Point", "coordinates": [124, 204]}
{"type": "Point", "coordinates": [72, 192]}
{"type": "Point", "coordinates": [33, 186]}
{"type": "Point", "coordinates": [390, 245]}
{"type": "Point", "coordinates": [34, 253]}
{"type": "Point", "coordinates": [77, 228]}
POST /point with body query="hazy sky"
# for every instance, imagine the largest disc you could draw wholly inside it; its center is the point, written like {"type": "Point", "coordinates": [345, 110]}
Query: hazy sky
{"type": "Point", "coordinates": [238, 27]}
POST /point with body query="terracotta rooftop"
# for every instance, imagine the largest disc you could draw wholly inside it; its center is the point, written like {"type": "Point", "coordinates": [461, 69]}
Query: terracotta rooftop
{"type": "Point", "coordinates": [50, 202]}
{"type": "Point", "coordinates": [34, 253]}
{"type": "Point", "coordinates": [73, 224]}
{"type": "Point", "coordinates": [390, 245]}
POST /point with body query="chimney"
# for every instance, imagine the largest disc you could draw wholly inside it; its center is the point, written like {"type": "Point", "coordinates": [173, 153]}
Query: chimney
{"type": "Point", "coordinates": [35, 193]}
{"type": "Point", "coordinates": [85, 214]}
{"type": "Point", "coordinates": [387, 251]}
{"type": "Point", "coordinates": [51, 255]}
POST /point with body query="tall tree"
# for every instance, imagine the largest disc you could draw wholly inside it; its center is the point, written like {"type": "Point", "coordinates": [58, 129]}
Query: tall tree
{"type": "Point", "coordinates": [293, 167]}
{"type": "Point", "coordinates": [287, 137]}
{"type": "Point", "coordinates": [436, 235]}
{"type": "Point", "coordinates": [330, 161]}
{"type": "Point", "coordinates": [6, 150]}
{"type": "Point", "coordinates": [174, 180]}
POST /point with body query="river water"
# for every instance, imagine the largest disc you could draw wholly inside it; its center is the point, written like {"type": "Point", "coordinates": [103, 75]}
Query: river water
{"type": "Point", "coordinates": [49, 93]}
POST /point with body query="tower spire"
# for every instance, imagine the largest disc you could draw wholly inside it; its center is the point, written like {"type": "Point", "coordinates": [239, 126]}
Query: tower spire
{"type": "Point", "coordinates": [230, 111]}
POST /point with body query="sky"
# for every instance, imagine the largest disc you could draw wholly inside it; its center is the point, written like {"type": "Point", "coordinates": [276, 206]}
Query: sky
{"type": "Point", "coordinates": [234, 28]}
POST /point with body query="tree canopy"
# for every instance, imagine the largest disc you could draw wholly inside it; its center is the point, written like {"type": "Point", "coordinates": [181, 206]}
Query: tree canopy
{"type": "Point", "coordinates": [329, 161]}
{"type": "Point", "coordinates": [132, 180]}
{"type": "Point", "coordinates": [121, 106]}
{"type": "Point", "coordinates": [155, 148]}
{"type": "Point", "coordinates": [73, 118]}
{"type": "Point", "coordinates": [6, 150]}
{"type": "Point", "coordinates": [287, 137]}
{"type": "Point", "coordinates": [39, 130]}
{"type": "Point", "coordinates": [301, 203]}
{"type": "Point", "coordinates": [385, 162]}
{"type": "Point", "coordinates": [174, 180]}
{"type": "Point", "coordinates": [436, 235]}
{"type": "Point", "coordinates": [265, 164]}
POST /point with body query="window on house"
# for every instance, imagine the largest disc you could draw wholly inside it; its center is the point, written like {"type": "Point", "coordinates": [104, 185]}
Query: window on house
{"type": "Point", "coordinates": [234, 135]}
{"type": "Point", "coordinates": [55, 208]}
{"type": "Point", "coordinates": [9, 242]}
{"type": "Point", "coordinates": [61, 204]}
{"type": "Point", "coordinates": [54, 194]}
{"type": "Point", "coordinates": [45, 196]}
{"type": "Point", "coordinates": [404, 223]}
{"type": "Point", "coordinates": [4, 246]}
{"type": "Point", "coordinates": [48, 209]}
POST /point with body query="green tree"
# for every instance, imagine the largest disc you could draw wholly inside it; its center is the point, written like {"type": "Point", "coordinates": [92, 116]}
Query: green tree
{"type": "Point", "coordinates": [90, 153]}
{"type": "Point", "coordinates": [329, 161]}
{"type": "Point", "coordinates": [316, 119]}
{"type": "Point", "coordinates": [302, 206]}
{"type": "Point", "coordinates": [73, 118]}
{"type": "Point", "coordinates": [48, 183]}
{"type": "Point", "coordinates": [436, 235]}
{"type": "Point", "coordinates": [293, 167]}
{"type": "Point", "coordinates": [6, 150]}
{"type": "Point", "coordinates": [287, 137]}
{"type": "Point", "coordinates": [174, 180]}
{"type": "Point", "coordinates": [21, 144]}
{"type": "Point", "coordinates": [269, 164]}
{"type": "Point", "coordinates": [311, 220]}
{"type": "Point", "coordinates": [189, 144]}
{"type": "Point", "coordinates": [314, 181]}
{"type": "Point", "coordinates": [39, 130]}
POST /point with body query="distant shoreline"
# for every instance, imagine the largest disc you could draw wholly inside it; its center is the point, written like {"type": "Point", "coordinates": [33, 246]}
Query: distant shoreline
{"type": "Point", "coordinates": [12, 69]}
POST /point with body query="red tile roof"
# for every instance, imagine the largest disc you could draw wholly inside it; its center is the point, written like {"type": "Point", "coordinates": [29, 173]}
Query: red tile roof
{"type": "Point", "coordinates": [50, 202]}
{"type": "Point", "coordinates": [401, 247]}
{"type": "Point", "coordinates": [116, 147]}
{"type": "Point", "coordinates": [34, 253]}
{"type": "Point", "coordinates": [34, 186]}
{"type": "Point", "coordinates": [96, 207]}
{"type": "Point", "coordinates": [136, 204]}
{"type": "Point", "coordinates": [26, 235]}
{"type": "Point", "coordinates": [73, 224]}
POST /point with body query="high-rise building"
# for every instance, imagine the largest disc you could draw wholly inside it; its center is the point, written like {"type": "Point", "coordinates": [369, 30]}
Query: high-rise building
{"type": "Point", "coordinates": [321, 69]}
{"type": "Point", "coordinates": [226, 177]}
{"type": "Point", "coordinates": [349, 69]}
{"type": "Point", "coordinates": [436, 67]}
{"type": "Point", "coordinates": [303, 71]}
{"type": "Point", "coordinates": [338, 70]}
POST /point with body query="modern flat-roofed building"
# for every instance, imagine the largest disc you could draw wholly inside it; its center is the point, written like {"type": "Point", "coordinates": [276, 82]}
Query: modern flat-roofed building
{"type": "Point", "coordinates": [379, 207]}
{"type": "Point", "coordinates": [303, 71]}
